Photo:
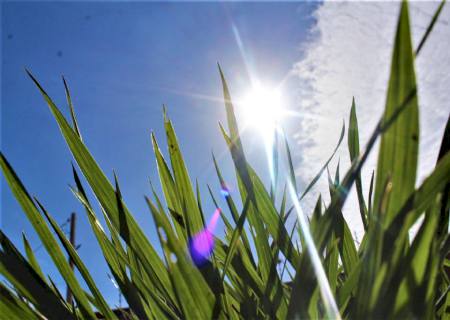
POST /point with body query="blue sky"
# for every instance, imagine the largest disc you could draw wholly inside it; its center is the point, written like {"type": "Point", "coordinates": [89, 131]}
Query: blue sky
{"type": "Point", "coordinates": [122, 62]}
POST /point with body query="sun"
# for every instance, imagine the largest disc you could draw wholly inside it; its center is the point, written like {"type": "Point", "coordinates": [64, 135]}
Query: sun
{"type": "Point", "coordinates": [262, 108]}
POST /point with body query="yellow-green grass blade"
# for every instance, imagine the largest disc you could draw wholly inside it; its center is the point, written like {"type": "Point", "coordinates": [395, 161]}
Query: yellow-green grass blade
{"type": "Point", "coordinates": [182, 181]}
{"type": "Point", "coordinates": [72, 110]}
{"type": "Point", "coordinates": [101, 303]}
{"type": "Point", "coordinates": [398, 153]}
{"type": "Point", "coordinates": [114, 254]}
{"type": "Point", "coordinates": [320, 172]}
{"type": "Point", "coordinates": [170, 192]}
{"type": "Point", "coordinates": [255, 219]}
{"type": "Point", "coordinates": [353, 147]}
{"type": "Point", "coordinates": [193, 293]}
{"type": "Point", "coordinates": [49, 242]}
{"type": "Point", "coordinates": [397, 287]}
{"type": "Point", "coordinates": [18, 272]}
{"type": "Point", "coordinates": [232, 208]}
{"type": "Point", "coordinates": [234, 238]}
{"type": "Point", "coordinates": [106, 195]}
{"type": "Point", "coordinates": [114, 259]}
{"type": "Point", "coordinates": [417, 202]}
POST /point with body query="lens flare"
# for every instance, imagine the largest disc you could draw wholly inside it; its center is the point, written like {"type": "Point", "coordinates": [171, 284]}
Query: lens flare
{"type": "Point", "coordinates": [201, 245]}
{"type": "Point", "coordinates": [225, 190]}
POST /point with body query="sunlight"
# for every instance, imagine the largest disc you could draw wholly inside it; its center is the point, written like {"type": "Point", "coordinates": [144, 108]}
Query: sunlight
{"type": "Point", "coordinates": [262, 108]}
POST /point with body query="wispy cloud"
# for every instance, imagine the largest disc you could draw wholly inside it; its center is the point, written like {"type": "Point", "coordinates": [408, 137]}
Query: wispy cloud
{"type": "Point", "coordinates": [349, 55]}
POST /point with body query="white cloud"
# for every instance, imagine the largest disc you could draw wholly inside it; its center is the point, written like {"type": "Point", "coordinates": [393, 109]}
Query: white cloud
{"type": "Point", "coordinates": [349, 55]}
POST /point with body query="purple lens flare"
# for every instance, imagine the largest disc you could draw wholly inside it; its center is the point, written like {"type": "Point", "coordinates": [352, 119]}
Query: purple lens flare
{"type": "Point", "coordinates": [201, 245]}
{"type": "Point", "coordinates": [225, 190]}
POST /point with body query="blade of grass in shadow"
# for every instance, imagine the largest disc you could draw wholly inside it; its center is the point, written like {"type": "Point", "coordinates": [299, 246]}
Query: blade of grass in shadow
{"type": "Point", "coordinates": [28, 283]}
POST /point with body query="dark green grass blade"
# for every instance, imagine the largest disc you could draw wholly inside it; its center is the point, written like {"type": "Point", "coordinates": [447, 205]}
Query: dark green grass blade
{"type": "Point", "coordinates": [45, 235]}
{"type": "Point", "coordinates": [445, 200]}
{"type": "Point", "coordinates": [234, 238]}
{"type": "Point", "coordinates": [353, 147]}
{"type": "Point", "coordinates": [399, 144]}
{"type": "Point", "coordinates": [13, 308]}
{"type": "Point", "coordinates": [31, 257]}
{"type": "Point", "coordinates": [28, 283]}
{"type": "Point", "coordinates": [430, 27]}
{"type": "Point", "coordinates": [72, 111]}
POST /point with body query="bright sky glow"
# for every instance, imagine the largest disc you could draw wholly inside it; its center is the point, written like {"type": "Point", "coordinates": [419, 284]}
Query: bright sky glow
{"type": "Point", "coordinates": [262, 108]}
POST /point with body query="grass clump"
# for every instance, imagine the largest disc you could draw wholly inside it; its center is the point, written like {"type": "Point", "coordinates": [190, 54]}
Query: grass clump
{"type": "Point", "coordinates": [387, 276]}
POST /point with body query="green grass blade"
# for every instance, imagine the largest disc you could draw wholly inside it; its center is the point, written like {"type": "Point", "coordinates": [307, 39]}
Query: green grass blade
{"type": "Point", "coordinates": [13, 308]}
{"type": "Point", "coordinates": [28, 283]}
{"type": "Point", "coordinates": [430, 27]}
{"type": "Point", "coordinates": [101, 303]}
{"type": "Point", "coordinates": [399, 144]}
{"type": "Point", "coordinates": [106, 195]}
{"type": "Point", "coordinates": [45, 235]}
{"type": "Point", "coordinates": [234, 238]}
{"type": "Point", "coordinates": [353, 147]}
{"type": "Point", "coordinates": [72, 111]}
{"type": "Point", "coordinates": [31, 257]}
{"type": "Point", "coordinates": [182, 181]}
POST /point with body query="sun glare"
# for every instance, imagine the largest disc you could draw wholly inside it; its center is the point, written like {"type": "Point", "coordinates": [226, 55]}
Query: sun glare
{"type": "Point", "coordinates": [262, 108]}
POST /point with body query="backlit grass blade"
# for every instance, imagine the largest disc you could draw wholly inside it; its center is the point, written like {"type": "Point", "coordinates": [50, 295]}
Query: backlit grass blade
{"type": "Point", "coordinates": [101, 303]}
{"type": "Point", "coordinates": [234, 238]}
{"type": "Point", "coordinates": [112, 252]}
{"type": "Point", "coordinates": [399, 144]}
{"type": "Point", "coordinates": [31, 257]}
{"type": "Point", "coordinates": [28, 283]}
{"type": "Point", "coordinates": [106, 195]}
{"type": "Point", "coordinates": [192, 292]}
{"type": "Point", "coordinates": [49, 242]}
{"type": "Point", "coordinates": [72, 111]}
{"type": "Point", "coordinates": [353, 147]}
{"type": "Point", "coordinates": [182, 180]}
{"type": "Point", "coordinates": [170, 192]}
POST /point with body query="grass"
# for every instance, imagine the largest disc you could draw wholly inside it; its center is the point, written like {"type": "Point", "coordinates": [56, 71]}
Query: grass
{"type": "Point", "coordinates": [388, 275]}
